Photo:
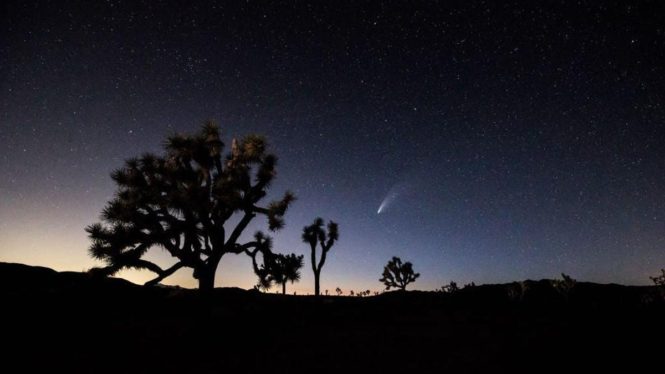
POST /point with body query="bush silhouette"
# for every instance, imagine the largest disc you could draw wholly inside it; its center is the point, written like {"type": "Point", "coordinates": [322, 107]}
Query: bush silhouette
{"type": "Point", "coordinates": [398, 275]}
{"type": "Point", "coordinates": [450, 287]}
{"type": "Point", "coordinates": [183, 202]}
{"type": "Point", "coordinates": [315, 234]}
{"type": "Point", "coordinates": [565, 285]}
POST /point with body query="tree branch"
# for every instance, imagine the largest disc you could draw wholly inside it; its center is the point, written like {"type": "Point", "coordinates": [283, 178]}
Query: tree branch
{"type": "Point", "coordinates": [145, 264]}
{"type": "Point", "coordinates": [164, 274]}
{"type": "Point", "coordinates": [260, 210]}
{"type": "Point", "coordinates": [245, 248]}
{"type": "Point", "coordinates": [230, 243]}
{"type": "Point", "coordinates": [314, 266]}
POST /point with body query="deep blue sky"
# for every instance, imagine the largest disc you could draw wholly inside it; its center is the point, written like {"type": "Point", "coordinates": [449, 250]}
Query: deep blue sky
{"type": "Point", "coordinates": [517, 140]}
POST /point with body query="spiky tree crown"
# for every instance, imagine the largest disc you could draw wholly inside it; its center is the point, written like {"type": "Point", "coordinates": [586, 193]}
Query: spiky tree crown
{"type": "Point", "coordinates": [182, 200]}
{"type": "Point", "coordinates": [286, 268]}
{"type": "Point", "coordinates": [315, 233]}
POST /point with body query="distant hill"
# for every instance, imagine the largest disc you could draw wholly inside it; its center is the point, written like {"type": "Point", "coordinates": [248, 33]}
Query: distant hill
{"type": "Point", "coordinates": [20, 277]}
{"type": "Point", "coordinates": [74, 322]}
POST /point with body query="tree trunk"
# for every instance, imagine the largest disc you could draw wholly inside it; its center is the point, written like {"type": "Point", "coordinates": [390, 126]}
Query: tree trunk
{"type": "Point", "coordinates": [317, 287]}
{"type": "Point", "coordinates": [284, 288]}
{"type": "Point", "coordinates": [314, 268]}
{"type": "Point", "coordinates": [205, 273]}
{"type": "Point", "coordinates": [207, 279]}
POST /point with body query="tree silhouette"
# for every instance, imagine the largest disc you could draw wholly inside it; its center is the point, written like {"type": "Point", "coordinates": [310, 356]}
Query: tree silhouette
{"type": "Point", "coordinates": [339, 291]}
{"type": "Point", "coordinates": [314, 234]}
{"type": "Point", "coordinates": [274, 267]}
{"type": "Point", "coordinates": [286, 268]}
{"type": "Point", "coordinates": [398, 275]}
{"type": "Point", "coordinates": [183, 201]}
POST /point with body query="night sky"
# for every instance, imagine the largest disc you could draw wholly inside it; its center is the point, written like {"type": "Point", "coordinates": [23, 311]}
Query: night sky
{"type": "Point", "coordinates": [499, 141]}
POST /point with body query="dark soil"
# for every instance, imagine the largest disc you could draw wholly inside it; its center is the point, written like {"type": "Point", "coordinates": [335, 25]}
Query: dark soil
{"type": "Point", "coordinates": [73, 323]}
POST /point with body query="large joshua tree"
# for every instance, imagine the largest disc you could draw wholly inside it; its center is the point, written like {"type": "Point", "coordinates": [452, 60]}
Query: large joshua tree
{"type": "Point", "coordinates": [313, 234]}
{"type": "Point", "coordinates": [184, 202]}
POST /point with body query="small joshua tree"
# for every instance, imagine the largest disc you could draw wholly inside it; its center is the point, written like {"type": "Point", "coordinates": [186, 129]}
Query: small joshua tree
{"type": "Point", "coordinates": [315, 234]}
{"type": "Point", "coordinates": [339, 291]}
{"type": "Point", "coordinates": [276, 267]}
{"type": "Point", "coordinates": [286, 268]}
{"type": "Point", "coordinates": [398, 275]}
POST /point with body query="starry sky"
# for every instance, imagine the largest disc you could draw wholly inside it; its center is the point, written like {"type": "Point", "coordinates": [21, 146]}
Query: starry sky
{"type": "Point", "coordinates": [502, 140]}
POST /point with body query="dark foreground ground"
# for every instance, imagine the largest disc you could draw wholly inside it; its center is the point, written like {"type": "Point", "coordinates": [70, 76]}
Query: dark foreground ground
{"type": "Point", "coordinates": [72, 323]}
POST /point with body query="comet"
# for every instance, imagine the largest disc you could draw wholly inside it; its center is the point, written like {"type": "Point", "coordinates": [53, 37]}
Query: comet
{"type": "Point", "coordinates": [390, 198]}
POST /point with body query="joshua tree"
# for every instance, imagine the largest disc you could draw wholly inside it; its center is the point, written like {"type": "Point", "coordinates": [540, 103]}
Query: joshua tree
{"type": "Point", "coordinates": [398, 275]}
{"type": "Point", "coordinates": [184, 202]}
{"type": "Point", "coordinates": [339, 291]}
{"type": "Point", "coordinates": [286, 268]}
{"type": "Point", "coordinates": [314, 234]}
{"type": "Point", "coordinates": [275, 268]}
